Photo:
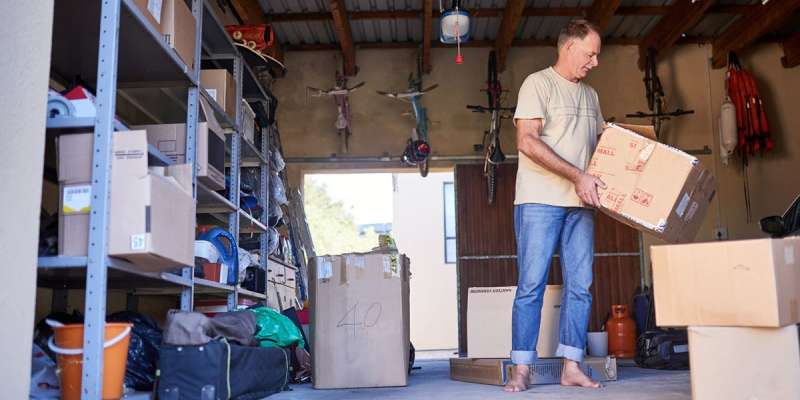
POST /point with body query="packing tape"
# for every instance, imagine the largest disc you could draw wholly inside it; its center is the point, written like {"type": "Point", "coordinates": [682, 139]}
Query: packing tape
{"type": "Point", "coordinates": [324, 269]}
{"type": "Point", "coordinates": [391, 268]}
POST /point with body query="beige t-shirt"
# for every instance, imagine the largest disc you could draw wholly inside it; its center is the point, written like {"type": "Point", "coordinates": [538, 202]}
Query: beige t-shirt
{"type": "Point", "coordinates": [572, 120]}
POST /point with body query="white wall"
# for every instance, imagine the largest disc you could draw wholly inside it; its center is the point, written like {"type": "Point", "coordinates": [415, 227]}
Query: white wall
{"type": "Point", "coordinates": [418, 229]}
{"type": "Point", "coordinates": [25, 35]}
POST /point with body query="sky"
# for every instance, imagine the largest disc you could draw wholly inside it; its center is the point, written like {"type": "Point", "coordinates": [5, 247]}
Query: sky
{"type": "Point", "coordinates": [369, 196]}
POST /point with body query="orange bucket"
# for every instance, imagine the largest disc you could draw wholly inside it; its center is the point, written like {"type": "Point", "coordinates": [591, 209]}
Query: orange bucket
{"type": "Point", "coordinates": [68, 346]}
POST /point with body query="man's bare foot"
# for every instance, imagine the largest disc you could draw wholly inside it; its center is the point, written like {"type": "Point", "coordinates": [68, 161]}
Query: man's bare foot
{"type": "Point", "coordinates": [572, 375]}
{"type": "Point", "coordinates": [519, 381]}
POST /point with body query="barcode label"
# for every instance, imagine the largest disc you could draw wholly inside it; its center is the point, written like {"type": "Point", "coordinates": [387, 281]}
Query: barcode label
{"type": "Point", "coordinates": [77, 199]}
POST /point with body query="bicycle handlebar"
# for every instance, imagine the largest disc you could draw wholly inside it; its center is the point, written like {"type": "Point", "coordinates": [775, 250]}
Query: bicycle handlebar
{"type": "Point", "coordinates": [482, 109]}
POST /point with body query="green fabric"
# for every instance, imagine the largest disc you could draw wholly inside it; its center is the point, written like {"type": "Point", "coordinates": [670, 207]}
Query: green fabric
{"type": "Point", "coordinates": [275, 329]}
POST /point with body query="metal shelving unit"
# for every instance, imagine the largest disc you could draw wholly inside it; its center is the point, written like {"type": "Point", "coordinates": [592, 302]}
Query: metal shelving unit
{"type": "Point", "coordinates": [112, 43]}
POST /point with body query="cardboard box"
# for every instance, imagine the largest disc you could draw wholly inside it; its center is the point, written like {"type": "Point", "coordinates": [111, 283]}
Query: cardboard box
{"type": "Point", "coordinates": [221, 87]}
{"type": "Point", "coordinates": [544, 371]}
{"type": "Point", "coordinates": [170, 139]}
{"type": "Point", "coordinates": [360, 320]}
{"type": "Point", "coordinates": [651, 186]}
{"type": "Point", "coordinates": [151, 215]}
{"type": "Point", "coordinates": [153, 10]}
{"type": "Point", "coordinates": [744, 363]}
{"type": "Point", "coordinates": [178, 28]}
{"type": "Point", "coordinates": [730, 283]}
{"type": "Point", "coordinates": [489, 321]}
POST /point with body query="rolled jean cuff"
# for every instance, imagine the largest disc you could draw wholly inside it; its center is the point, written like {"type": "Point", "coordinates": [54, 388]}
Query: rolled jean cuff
{"type": "Point", "coordinates": [523, 357]}
{"type": "Point", "coordinates": [569, 352]}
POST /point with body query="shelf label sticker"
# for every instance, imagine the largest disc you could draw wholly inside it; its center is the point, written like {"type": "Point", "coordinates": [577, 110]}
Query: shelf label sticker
{"type": "Point", "coordinates": [212, 93]}
{"type": "Point", "coordinates": [154, 7]}
{"type": "Point", "coordinates": [138, 242]}
{"type": "Point", "coordinates": [77, 199]}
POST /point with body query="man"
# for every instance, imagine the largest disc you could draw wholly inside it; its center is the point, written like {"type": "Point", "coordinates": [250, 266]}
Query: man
{"type": "Point", "coordinates": [558, 120]}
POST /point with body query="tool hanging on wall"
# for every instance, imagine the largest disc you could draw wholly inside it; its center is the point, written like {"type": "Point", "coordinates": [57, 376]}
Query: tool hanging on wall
{"type": "Point", "coordinates": [454, 27]}
{"type": "Point", "coordinates": [751, 120]}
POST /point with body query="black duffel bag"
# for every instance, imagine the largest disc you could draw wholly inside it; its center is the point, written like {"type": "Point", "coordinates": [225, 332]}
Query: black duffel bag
{"type": "Point", "coordinates": [663, 349]}
{"type": "Point", "coordinates": [220, 371]}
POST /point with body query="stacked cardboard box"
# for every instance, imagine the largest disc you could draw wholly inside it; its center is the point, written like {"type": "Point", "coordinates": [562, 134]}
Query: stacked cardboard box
{"type": "Point", "coordinates": [740, 301]}
{"type": "Point", "coordinates": [151, 212]}
{"type": "Point", "coordinates": [360, 320]}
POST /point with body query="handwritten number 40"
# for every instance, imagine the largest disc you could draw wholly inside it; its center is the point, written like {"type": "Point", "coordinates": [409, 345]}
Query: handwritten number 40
{"type": "Point", "coordinates": [369, 319]}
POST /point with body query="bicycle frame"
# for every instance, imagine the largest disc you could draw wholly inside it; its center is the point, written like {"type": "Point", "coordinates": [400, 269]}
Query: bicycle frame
{"type": "Point", "coordinates": [340, 93]}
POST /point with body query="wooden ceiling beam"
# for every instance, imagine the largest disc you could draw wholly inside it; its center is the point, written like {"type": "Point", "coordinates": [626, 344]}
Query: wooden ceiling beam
{"type": "Point", "coordinates": [341, 24]}
{"type": "Point", "coordinates": [427, 31]}
{"type": "Point", "coordinates": [512, 16]}
{"type": "Point", "coordinates": [498, 12]}
{"type": "Point", "coordinates": [251, 14]}
{"type": "Point", "coordinates": [600, 13]}
{"type": "Point", "coordinates": [682, 16]}
{"type": "Point", "coordinates": [791, 51]}
{"type": "Point", "coordinates": [750, 27]}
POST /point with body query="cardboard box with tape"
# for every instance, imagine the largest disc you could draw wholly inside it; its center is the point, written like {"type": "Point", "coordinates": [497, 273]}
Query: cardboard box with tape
{"type": "Point", "coordinates": [729, 283]}
{"type": "Point", "coordinates": [151, 211]}
{"type": "Point", "coordinates": [170, 139]}
{"type": "Point", "coordinates": [489, 321]}
{"type": "Point", "coordinates": [360, 320]}
{"type": "Point", "coordinates": [545, 371]}
{"type": "Point", "coordinates": [650, 186]}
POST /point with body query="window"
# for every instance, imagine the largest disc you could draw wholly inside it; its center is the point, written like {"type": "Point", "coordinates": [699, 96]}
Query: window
{"type": "Point", "coordinates": [449, 223]}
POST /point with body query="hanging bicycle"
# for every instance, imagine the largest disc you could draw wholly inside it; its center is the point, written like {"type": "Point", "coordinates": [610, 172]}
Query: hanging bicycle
{"type": "Point", "coordinates": [418, 149]}
{"type": "Point", "coordinates": [340, 93]}
{"type": "Point", "coordinates": [493, 154]}
{"type": "Point", "coordinates": [655, 96]}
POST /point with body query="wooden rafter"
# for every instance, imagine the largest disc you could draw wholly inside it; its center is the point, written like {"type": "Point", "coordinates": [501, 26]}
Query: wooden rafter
{"type": "Point", "coordinates": [791, 51]}
{"type": "Point", "coordinates": [251, 14]}
{"type": "Point", "coordinates": [601, 11]}
{"type": "Point", "coordinates": [682, 16]}
{"type": "Point", "coordinates": [341, 25]}
{"type": "Point", "coordinates": [497, 12]}
{"type": "Point", "coordinates": [750, 27]}
{"type": "Point", "coordinates": [427, 28]}
{"type": "Point", "coordinates": [512, 15]}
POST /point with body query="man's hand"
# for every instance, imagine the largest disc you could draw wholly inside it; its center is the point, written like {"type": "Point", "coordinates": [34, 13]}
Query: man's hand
{"type": "Point", "coordinates": [586, 187]}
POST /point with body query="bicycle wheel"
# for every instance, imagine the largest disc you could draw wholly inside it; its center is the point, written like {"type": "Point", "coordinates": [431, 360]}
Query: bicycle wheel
{"type": "Point", "coordinates": [423, 168]}
{"type": "Point", "coordinates": [491, 80]}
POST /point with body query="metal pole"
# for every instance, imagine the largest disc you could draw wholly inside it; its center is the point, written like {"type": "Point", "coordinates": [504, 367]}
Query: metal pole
{"type": "Point", "coordinates": [233, 192]}
{"type": "Point", "coordinates": [263, 243]}
{"type": "Point", "coordinates": [187, 293]}
{"type": "Point", "coordinates": [97, 263]}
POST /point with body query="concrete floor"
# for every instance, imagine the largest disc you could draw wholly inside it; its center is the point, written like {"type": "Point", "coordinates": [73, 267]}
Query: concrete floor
{"type": "Point", "coordinates": [433, 382]}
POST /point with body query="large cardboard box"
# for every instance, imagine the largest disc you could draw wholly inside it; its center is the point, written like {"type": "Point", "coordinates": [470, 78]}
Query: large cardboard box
{"type": "Point", "coordinates": [221, 87]}
{"type": "Point", "coordinates": [651, 186]}
{"type": "Point", "coordinates": [734, 363]}
{"type": "Point", "coordinates": [170, 139]}
{"type": "Point", "coordinates": [730, 283]}
{"type": "Point", "coordinates": [489, 321]}
{"type": "Point", "coordinates": [178, 28]}
{"type": "Point", "coordinates": [151, 214]}
{"type": "Point", "coordinates": [153, 10]}
{"type": "Point", "coordinates": [545, 371]}
{"type": "Point", "coordinates": [360, 320]}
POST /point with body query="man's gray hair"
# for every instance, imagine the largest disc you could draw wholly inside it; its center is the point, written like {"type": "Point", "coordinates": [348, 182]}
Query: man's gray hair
{"type": "Point", "coordinates": [575, 29]}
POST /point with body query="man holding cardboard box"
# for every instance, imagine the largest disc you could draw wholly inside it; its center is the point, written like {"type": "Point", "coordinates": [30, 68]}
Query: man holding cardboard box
{"type": "Point", "coordinates": [558, 120]}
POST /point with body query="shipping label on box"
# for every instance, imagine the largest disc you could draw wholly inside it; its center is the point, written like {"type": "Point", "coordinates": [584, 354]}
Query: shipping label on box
{"type": "Point", "coordinates": [76, 199]}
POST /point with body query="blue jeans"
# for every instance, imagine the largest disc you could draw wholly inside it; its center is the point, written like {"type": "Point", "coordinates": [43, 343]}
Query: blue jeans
{"type": "Point", "coordinates": [539, 228]}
